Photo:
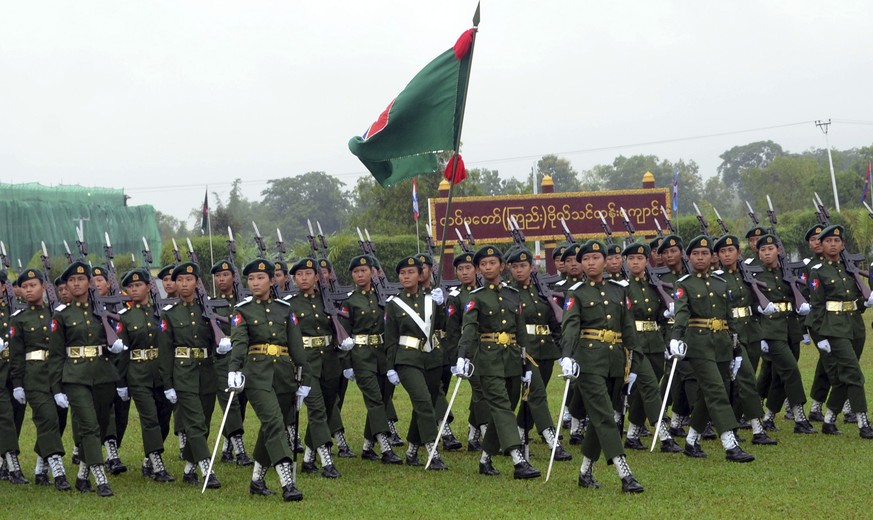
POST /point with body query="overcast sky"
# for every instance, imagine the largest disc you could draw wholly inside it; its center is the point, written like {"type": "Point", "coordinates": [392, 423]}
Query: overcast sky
{"type": "Point", "coordinates": [163, 97]}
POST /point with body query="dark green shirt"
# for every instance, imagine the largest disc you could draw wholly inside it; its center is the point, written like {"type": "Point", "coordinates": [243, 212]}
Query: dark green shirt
{"type": "Point", "coordinates": [75, 325]}
{"type": "Point", "coordinates": [539, 315]}
{"type": "Point", "coordinates": [138, 329]}
{"type": "Point", "coordinates": [183, 325]}
{"type": "Point", "coordinates": [29, 331]}
{"type": "Point", "coordinates": [703, 296]}
{"type": "Point", "coordinates": [829, 282]}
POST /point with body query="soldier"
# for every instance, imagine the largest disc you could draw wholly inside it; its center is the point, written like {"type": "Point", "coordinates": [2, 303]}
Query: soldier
{"type": "Point", "coordinates": [614, 262]}
{"type": "Point", "coordinates": [388, 388]}
{"type": "Point", "coordinates": [588, 338]}
{"type": "Point", "coordinates": [10, 401]}
{"type": "Point", "coordinates": [321, 354]}
{"type": "Point", "coordinates": [834, 299]}
{"type": "Point", "coordinates": [78, 351]}
{"type": "Point", "coordinates": [654, 256]}
{"type": "Point", "coordinates": [409, 318]}
{"type": "Point", "coordinates": [165, 275]}
{"type": "Point", "coordinates": [494, 338]}
{"type": "Point", "coordinates": [223, 273]}
{"type": "Point", "coordinates": [573, 272]}
{"type": "Point", "coordinates": [556, 258]}
{"type": "Point", "coordinates": [702, 305]}
{"type": "Point", "coordinates": [140, 375]}
{"type": "Point", "coordinates": [821, 385]}
{"type": "Point", "coordinates": [280, 276]}
{"type": "Point", "coordinates": [267, 345]}
{"type": "Point", "coordinates": [187, 348]}
{"type": "Point", "coordinates": [63, 292]}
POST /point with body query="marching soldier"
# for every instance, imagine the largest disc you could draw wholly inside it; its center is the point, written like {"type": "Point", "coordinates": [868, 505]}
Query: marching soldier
{"type": "Point", "coordinates": [614, 262]}
{"type": "Point", "coordinates": [821, 385]}
{"type": "Point", "coordinates": [10, 468]}
{"type": "Point", "coordinates": [654, 256]}
{"type": "Point", "coordinates": [280, 276]}
{"type": "Point", "coordinates": [556, 258]}
{"type": "Point", "coordinates": [63, 292]}
{"type": "Point", "coordinates": [573, 275]}
{"type": "Point", "coordinates": [494, 338]}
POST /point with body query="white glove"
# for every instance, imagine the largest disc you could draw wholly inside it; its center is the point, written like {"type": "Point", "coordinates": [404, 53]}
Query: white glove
{"type": "Point", "coordinates": [123, 393]}
{"type": "Point", "coordinates": [804, 308]}
{"type": "Point", "coordinates": [438, 296]}
{"type": "Point", "coordinates": [806, 339]}
{"type": "Point", "coordinates": [235, 381]}
{"type": "Point", "coordinates": [169, 393]}
{"type": "Point", "coordinates": [825, 346]}
{"type": "Point", "coordinates": [224, 346]}
{"type": "Point", "coordinates": [677, 349]}
{"type": "Point", "coordinates": [18, 394]}
{"type": "Point", "coordinates": [349, 374]}
{"type": "Point", "coordinates": [393, 378]}
{"type": "Point", "coordinates": [61, 400]}
{"type": "Point", "coordinates": [671, 311]}
{"type": "Point", "coordinates": [768, 310]}
{"type": "Point", "coordinates": [303, 391]}
{"type": "Point", "coordinates": [869, 301]}
{"type": "Point", "coordinates": [463, 368]}
{"type": "Point", "coordinates": [735, 367]}
{"type": "Point", "coordinates": [569, 368]}
{"type": "Point", "coordinates": [347, 344]}
{"type": "Point", "coordinates": [629, 385]}
{"type": "Point", "coordinates": [118, 347]}
{"type": "Point", "coordinates": [526, 377]}
{"type": "Point", "coordinates": [3, 345]}
{"type": "Point", "coordinates": [765, 347]}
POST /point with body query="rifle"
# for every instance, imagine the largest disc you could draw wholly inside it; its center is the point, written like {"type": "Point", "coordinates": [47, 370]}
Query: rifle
{"type": "Point", "coordinates": [672, 229]}
{"type": "Point", "coordinates": [67, 252]}
{"type": "Point", "coordinates": [239, 291]}
{"type": "Point", "coordinates": [50, 292]}
{"type": "Point", "coordinates": [381, 286]}
{"type": "Point", "coordinates": [849, 261]}
{"type": "Point", "coordinates": [98, 304]}
{"type": "Point", "coordinates": [328, 297]}
{"type": "Point", "coordinates": [176, 254]}
{"type": "Point", "coordinates": [13, 302]}
{"type": "Point", "coordinates": [155, 294]}
{"type": "Point", "coordinates": [207, 304]}
{"type": "Point", "coordinates": [567, 234]}
{"type": "Point", "coordinates": [662, 288]}
{"type": "Point", "coordinates": [609, 241]}
{"type": "Point", "coordinates": [110, 266]}
{"type": "Point", "coordinates": [466, 246]}
{"type": "Point", "coordinates": [785, 265]}
{"type": "Point", "coordinates": [542, 289]}
{"type": "Point", "coordinates": [262, 253]}
{"type": "Point", "coordinates": [745, 270]}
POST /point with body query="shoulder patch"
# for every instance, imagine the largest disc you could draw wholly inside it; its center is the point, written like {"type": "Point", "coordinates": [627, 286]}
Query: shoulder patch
{"type": "Point", "coordinates": [718, 272]}
{"type": "Point", "coordinates": [244, 301]}
{"type": "Point", "coordinates": [60, 307]}
{"type": "Point", "coordinates": [16, 313]}
{"type": "Point", "coordinates": [168, 307]}
{"type": "Point", "coordinates": [718, 278]}
{"type": "Point", "coordinates": [683, 277]}
{"type": "Point", "coordinates": [575, 286]}
{"type": "Point", "coordinates": [122, 311]}
{"type": "Point", "coordinates": [622, 283]}
{"type": "Point", "coordinates": [477, 289]}
{"type": "Point", "coordinates": [283, 302]}
{"type": "Point", "coordinates": [747, 261]}
{"type": "Point", "coordinates": [806, 261]}
{"type": "Point", "coordinates": [559, 283]}
{"type": "Point", "coordinates": [454, 291]}
{"type": "Point", "coordinates": [513, 289]}
{"type": "Point", "coordinates": [816, 266]}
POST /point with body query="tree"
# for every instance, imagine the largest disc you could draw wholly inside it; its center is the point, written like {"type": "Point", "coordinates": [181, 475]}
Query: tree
{"type": "Point", "coordinates": [169, 226]}
{"type": "Point", "coordinates": [789, 180]}
{"type": "Point", "coordinates": [566, 179]}
{"type": "Point", "coordinates": [288, 202]}
{"type": "Point", "coordinates": [753, 155]}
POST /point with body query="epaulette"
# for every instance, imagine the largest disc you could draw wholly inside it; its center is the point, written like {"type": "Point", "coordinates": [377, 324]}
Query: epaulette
{"type": "Point", "coordinates": [454, 291]}
{"type": "Point", "coordinates": [718, 272]}
{"type": "Point", "coordinates": [169, 306]}
{"type": "Point", "coordinates": [816, 266]}
{"type": "Point", "coordinates": [288, 298]}
{"type": "Point", "coordinates": [561, 282]}
{"type": "Point", "coordinates": [683, 277]}
{"type": "Point", "coordinates": [247, 299]}
{"type": "Point", "coordinates": [283, 302]}
{"type": "Point", "coordinates": [747, 261]}
{"type": "Point", "coordinates": [60, 307]}
{"type": "Point", "coordinates": [622, 283]}
{"type": "Point", "coordinates": [575, 286]}
{"type": "Point", "coordinates": [477, 289]}
{"type": "Point", "coordinates": [806, 261]}
{"type": "Point", "coordinates": [122, 311]}
{"type": "Point", "coordinates": [718, 278]}
{"type": "Point", "coordinates": [17, 313]}
{"type": "Point", "coordinates": [504, 285]}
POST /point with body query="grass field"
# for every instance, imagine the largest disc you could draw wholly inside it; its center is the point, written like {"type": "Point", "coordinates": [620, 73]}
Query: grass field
{"type": "Point", "coordinates": [802, 477]}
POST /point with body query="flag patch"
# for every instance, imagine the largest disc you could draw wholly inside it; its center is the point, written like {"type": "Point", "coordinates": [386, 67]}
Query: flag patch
{"type": "Point", "coordinates": [470, 306]}
{"type": "Point", "coordinates": [119, 327]}
{"type": "Point", "coordinates": [814, 284]}
{"type": "Point", "coordinates": [237, 320]}
{"type": "Point", "coordinates": [294, 319]}
{"type": "Point", "coordinates": [164, 325]}
{"type": "Point", "coordinates": [54, 325]}
{"type": "Point", "coordinates": [450, 310]}
{"type": "Point", "coordinates": [12, 331]}
{"type": "Point", "coordinates": [678, 293]}
{"type": "Point", "coordinates": [568, 303]}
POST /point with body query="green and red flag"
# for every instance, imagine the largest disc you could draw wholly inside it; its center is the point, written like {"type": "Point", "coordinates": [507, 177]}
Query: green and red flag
{"type": "Point", "coordinates": [422, 122]}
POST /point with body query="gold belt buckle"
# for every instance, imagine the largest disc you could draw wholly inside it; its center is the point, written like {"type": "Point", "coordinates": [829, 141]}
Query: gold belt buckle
{"type": "Point", "coordinates": [90, 351]}
{"type": "Point", "coordinates": [542, 330]}
{"type": "Point", "coordinates": [609, 336]}
{"type": "Point", "coordinates": [272, 350]}
{"type": "Point", "coordinates": [718, 325]}
{"type": "Point", "coordinates": [503, 338]}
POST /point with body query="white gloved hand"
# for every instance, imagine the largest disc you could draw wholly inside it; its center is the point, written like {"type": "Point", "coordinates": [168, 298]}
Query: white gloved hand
{"type": "Point", "coordinates": [3, 345]}
{"type": "Point", "coordinates": [438, 296]}
{"type": "Point", "coordinates": [123, 393]}
{"type": "Point", "coordinates": [393, 378]}
{"type": "Point", "coordinates": [765, 347]}
{"type": "Point", "coordinates": [526, 377]}
{"type": "Point", "coordinates": [224, 346]}
{"type": "Point", "coordinates": [629, 384]}
{"type": "Point", "coordinates": [454, 370]}
{"type": "Point", "coordinates": [677, 349]}
{"type": "Point", "coordinates": [347, 344]}
{"type": "Point", "coordinates": [349, 373]}
{"type": "Point", "coordinates": [735, 367]}
{"type": "Point", "coordinates": [869, 301]}
{"type": "Point", "coordinates": [118, 347]}
{"type": "Point", "coordinates": [18, 394]}
{"type": "Point", "coordinates": [806, 339]}
{"type": "Point", "coordinates": [804, 309]}
{"type": "Point", "coordinates": [671, 311]}
{"type": "Point", "coordinates": [303, 391]}
{"type": "Point", "coordinates": [569, 368]}
{"type": "Point", "coordinates": [768, 310]}
{"type": "Point", "coordinates": [169, 393]}
{"type": "Point", "coordinates": [825, 346]}
{"type": "Point", "coordinates": [463, 368]}
{"type": "Point", "coordinates": [235, 381]}
{"type": "Point", "coordinates": [61, 400]}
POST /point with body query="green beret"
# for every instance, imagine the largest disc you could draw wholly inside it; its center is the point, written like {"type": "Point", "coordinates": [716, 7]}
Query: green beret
{"type": "Point", "coordinates": [655, 243]}
{"type": "Point", "coordinates": [135, 275]}
{"type": "Point", "coordinates": [725, 241]}
{"type": "Point", "coordinates": [463, 258]}
{"type": "Point", "coordinates": [99, 271]}
{"type": "Point", "coordinates": [77, 267]}
{"type": "Point", "coordinates": [165, 271]}
{"type": "Point", "coordinates": [813, 231]}
{"type": "Point", "coordinates": [60, 281]}
{"type": "Point", "coordinates": [670, 241]}
{"type": "Point", "coordinates": [592, 246]}
{"type": "Point", "coordinates": [613, 249]}
{"type": "Point", "coordinates": [571, 251]}
{"type": "Point", "coordinates": [767, 239]}
{"type": "Point", "coordinates": [425, 259]}
{"type": "Point", "coordinates": [832, 231]}
{"type": "Point", "coordinates": [756, 231]}
{"type": "Point", "coordinates": [303, 263]}
{"type": "Point", "coordinates": [376, 263]}
{"type": "Point", "coordinates": [259, 265]}
{"type": "Point", "coordinates": [324, 263]}
{"type": "Point", "coordinates": [31, 274]}
{"type": "Point", "coordinates": [409, 261]}
{"type": "Point", "coordinates": [699, 242]}
{"type": "Point", "coordinates": [280, 265]}
{"type": "Point", "coordinates": [361, 260]}
{"type": "Point", "coordinates": [637, 249]}
{"type": "Point", "coordinates": [485, 252]}
{"type": "Point", "coordinates": [559, 251]}
{"type": "Point", "coordinates": [4, 275]}
{"type": "Point", "coordinates": [220, 266]}
{"type": "Point", "coordinates": [185, 268]}
{"type": "Point", "coordinates": [519, 255]}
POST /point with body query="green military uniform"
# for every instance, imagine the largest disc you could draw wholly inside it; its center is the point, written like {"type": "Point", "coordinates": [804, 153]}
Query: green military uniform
{"type": "Point", "coordinates": [9, 424]}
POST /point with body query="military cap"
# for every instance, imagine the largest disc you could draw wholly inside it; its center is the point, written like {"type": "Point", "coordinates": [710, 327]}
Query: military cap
{"type": "Point", "coordinates": [259, 265]}
{"type": "Point", "coordinates": [725, 241]}
{"type": "Point", "coordinates": [166, 271]}
{"type": "Point", "coordinates": [613, 249]}
{"type": "Point", "coordinates": [409, 261]}
{"type": "Point", "coordinates": [655, 243]}
{"type": "Point", "coordinates": [135, 275]}
{"type": "Point", "coordinates": [559, 251]}
{"type": "Point", "coordinates": [756, 231]}
{"type": "Point", "coordinates": [303, 263]}
{"type": "Point", "coordinates": [485, 252]}
{"type": "Point", "coordinates": [571, 251]}
{"type": "Point", "coordinates": [30, 274]}
{"type": "Point", "coordinates": [77, 267]}
{"type": "Point", "coordinates": [519, 255]}
{"type": "Point", "coordinates": [221, 265]}
{"type": "Point", "coordinates": [698, 242]}
{"type": "Point", "coordinates": [832, 231]}
{"type": "Point", "coordinates": [99, 271]}
{"type": "Point", "coordinates": [4, 275]}
{"type": "Point", "coordinates": [60, 281]}
{"type": "Point", "coordinates": [185, 268]}
{"type": "Point", "coordinates": [376, 263]}
{"type": "Point", "coordinates": [670, 241]}
{"type": "Point", "coordinates": [814, 231]}
{"type": "Point", "coordinates": [361, 260]}
{"type": "Point", "coordinates": [463, 258]}
{"type": "Point", "coordinates": [280, 265]}
{"type": "Point", "coordinates": [592, 246]}
{"type": "Point", "coordinates": [637, 249]}
{"type": "Point", "coordinates": [767, 239]}
{"type": "Point", "coordinates": [425, 259]}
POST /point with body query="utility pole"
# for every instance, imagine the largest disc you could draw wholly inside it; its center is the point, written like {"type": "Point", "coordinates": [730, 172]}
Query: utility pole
{"type": "Point", "coordinates": [824, 128]}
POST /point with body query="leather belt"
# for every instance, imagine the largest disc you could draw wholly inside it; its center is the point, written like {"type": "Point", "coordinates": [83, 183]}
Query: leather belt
{"type": "Point", "coordinates": [316, 341]}
{"type": "Point", "coordinates": [367, 339]}
{"type": "Point", "coordinates": [741, 312]}
{"type": "Point", "coordinates": [191, 353]}
{"type": "Point", "coordinates": [90, 351]}
{"type": "Point", "coordinates": [538, 330]}
{"type": "Point", "coordinates": [606, 336]}
{"type": "Point", "coordinates": [841, 306]}
{"type": "Point", "coordinates": [411, 342]}
{"type": "Point", "coordinates": [713, 324]}
{"type": "Point", "coordinates": [784, 306]}
{"type": "Point", "coordinates": [36, 355]}
{"type": "Point", "coordinates": [143, 354]}
{"type": "Point", "coordinates": [501, 338]}
{"type": "Point", "coordinates": [647, 326]}
{"type": "Point", "coordinates": [269, 349]}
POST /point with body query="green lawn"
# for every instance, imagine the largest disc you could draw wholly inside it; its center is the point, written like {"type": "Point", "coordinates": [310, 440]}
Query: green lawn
{"type": "Point", "coordinates": [804, 476]}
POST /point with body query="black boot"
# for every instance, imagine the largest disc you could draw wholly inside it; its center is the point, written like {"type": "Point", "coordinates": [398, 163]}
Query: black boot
{"type": "Point", "coordinates": [763, 439]}
{"type": "Point", "coordinates": [259, 488]}
{"type": "Point", "coordinates": [61, 483]}
{"type": "Point", "coordinates": [830, 429]}
{"type": "Point", "coordinates": [103, 490]}
{"type": "Point", "coordinates": [634, 444]}
{"type": "Point", "coordinates": [804, 427]}
{"type": "Point", "coordinates": [738, 455]}
{"type": "Point", "coordinates": [291, 494]}
{"type": "Point", "coordinates": [369, 455]}
{"type": "Point", "coordinates": [523, 470]}
{"type": "Point", "coordinates": [694, 451]}
{"type": "Point", "coordinates": [487, 468]}
{"type": "Point", "coordinates": [41, 479]}
{"type": "Point", "coordinates": [630, 485]}
{"type": "Point", "coordinates": [670, 446]}
{"type": "Point", "coordinates": [84, 485]}
{"type": "Point", "coordinates": [389, 457]}
{"type": "Point", "coordinates": [561, 454]}
{"type": "Point", "coordinates": [587, 480]}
